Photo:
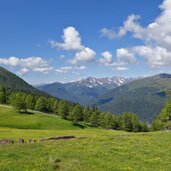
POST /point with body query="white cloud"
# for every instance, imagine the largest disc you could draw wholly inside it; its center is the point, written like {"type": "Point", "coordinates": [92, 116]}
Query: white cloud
{"type": "Point", "coordinates": [125, 57]}
{"type": "Point", "coordinates": [80, 67]}
{"type": "Point", "coordinates": [64, 70]}
{"type": "Point", "coordinates": [71, 38]}
{"type": "Point", "coordinates": [43, 70]}
{"type": "Point", "coordinates": [155, 56]}
{"type": "Point", "coordinates": [120, 68]}
{"type": "Point", "coordinates": [72, 41]}
{"type": "Point", "coordinates": [23, 71]}
{"type": "Point", "coordinates": [109, 33]}
{"type": "Point", "coordinates": [12, 61]}
{"type": "Point", "coordinates": [156, 38]}
{"type": "Point", "coordinates": [31, 63]}
{"type": "Point", "coordinates": [130, 25]}
{"type": "Point", "coordinates": [86, 55]}
{"type": "Point", "coordinates": [107, 58]}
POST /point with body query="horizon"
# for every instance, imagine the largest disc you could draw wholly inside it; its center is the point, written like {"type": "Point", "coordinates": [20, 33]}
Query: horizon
{"type": "Point", "coordinates": [64, 41]}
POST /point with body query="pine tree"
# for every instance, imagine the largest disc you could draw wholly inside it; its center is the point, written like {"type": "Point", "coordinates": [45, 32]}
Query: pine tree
{"type": "Point", "coordinates": [30, 102]}
{"type": "Point", "coordinates": [76, 114]}
{"type": "Point", "coordinates": [94, 118]}
{"type": "Point", "coordinates": [41, 104]}
{"type": "Point", "coordinates": [55, 106]}
{"type": "Point", "coordinates": [63, 109]}
{"type": "Point", "coordinates": [86, 114]}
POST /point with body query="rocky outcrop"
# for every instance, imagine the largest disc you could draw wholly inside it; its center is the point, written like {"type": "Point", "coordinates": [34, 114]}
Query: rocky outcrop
{"type": "Point", "coordinates": [6, 141]}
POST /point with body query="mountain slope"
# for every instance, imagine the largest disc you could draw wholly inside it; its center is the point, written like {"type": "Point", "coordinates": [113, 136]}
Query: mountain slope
{"type": "Point", "coordinates": [84, 91]}
{"type": "Point", "coordinates": [13, 82]}
{"type": "Point", "coordinates": [145, 97]}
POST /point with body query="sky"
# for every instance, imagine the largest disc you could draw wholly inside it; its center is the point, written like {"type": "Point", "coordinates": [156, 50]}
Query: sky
{"type": "Point", "coordinates": [46, 41]}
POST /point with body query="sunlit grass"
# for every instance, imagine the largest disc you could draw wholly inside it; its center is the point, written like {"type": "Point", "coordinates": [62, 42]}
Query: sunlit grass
{"type": "Point", "coordinates": [92, 150]}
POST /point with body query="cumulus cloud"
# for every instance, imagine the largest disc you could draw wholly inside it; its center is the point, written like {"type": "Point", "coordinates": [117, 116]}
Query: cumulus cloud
{"type": "Point", "coordinates": [86, 55]}
{"type": "Point", "coordinates": [125, 57]}
{"type": "Point", "coordinates": [155, 56]}
{"type": "Point", "coordinates": [131, 25]}
{"type": "Point", "coordinates": [71, 40]}
{"type": "Point", "coordinates": [156, 38]}
{"type": "Point", "coordinates": [120, 68]}
{"type": "Point", "coordinates": [36, 64]}
{"type": "Point", "coordinates": [109, 33]}
{"type": "Point", "coordinates": [107, 58]}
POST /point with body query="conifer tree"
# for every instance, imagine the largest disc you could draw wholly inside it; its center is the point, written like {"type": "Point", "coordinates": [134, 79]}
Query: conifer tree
{"type": "Point", "coordinates": [41, 104]}
{"type": "Point", "coordinates": [76, 114]}
{"type": "Point", "coordinates": [63, 109]}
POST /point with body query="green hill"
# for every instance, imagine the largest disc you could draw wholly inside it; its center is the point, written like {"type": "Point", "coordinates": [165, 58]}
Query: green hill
{"type": "Point", "coordinates": [145, 97]}
{"type": "Point", "coordinates": [13, 82]}
{"type": "Point", "coordinates": [12, 119]}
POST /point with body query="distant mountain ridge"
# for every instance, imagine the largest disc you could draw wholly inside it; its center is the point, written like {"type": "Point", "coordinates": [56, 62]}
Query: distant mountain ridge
{"type": "Point", "coordinates": [108, 82]}
{"type": "Point", "coordinates": [145, 97]}
{"type": "Point", "coordinates": [84, 91]}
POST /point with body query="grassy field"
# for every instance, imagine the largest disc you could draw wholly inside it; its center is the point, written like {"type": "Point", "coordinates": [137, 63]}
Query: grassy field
{"type": "Point", "coordinates": [92, 150]}
{"type": "Point", "coordinates": [13, 119]}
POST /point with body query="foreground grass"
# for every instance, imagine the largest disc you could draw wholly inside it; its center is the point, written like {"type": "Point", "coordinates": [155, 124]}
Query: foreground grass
{"type": "Point", "coordinates": [92, 150]}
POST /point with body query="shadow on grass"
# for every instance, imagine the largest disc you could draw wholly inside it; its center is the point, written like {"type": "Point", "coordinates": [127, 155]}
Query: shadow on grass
{"type": "Point", "coordinates": [26, 112]}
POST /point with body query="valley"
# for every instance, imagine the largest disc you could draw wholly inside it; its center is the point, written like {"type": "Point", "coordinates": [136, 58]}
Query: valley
{"type": "Point", "coordinates": [85, 85]}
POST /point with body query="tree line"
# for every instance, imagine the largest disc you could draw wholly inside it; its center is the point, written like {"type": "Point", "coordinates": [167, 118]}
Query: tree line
{"type": "Point", "coordinates": [72, 111]}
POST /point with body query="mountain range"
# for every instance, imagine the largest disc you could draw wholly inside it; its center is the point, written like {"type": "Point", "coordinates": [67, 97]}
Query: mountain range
{"type": "Point", "coordinates": [84, 91]}
{"type": "Point", "coordinates": [145, 97]}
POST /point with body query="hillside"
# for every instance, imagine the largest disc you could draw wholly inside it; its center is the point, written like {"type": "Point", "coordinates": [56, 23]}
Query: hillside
{"type": "Point", "coordinates": [12, 119]}
{"type": "Point", "coordinates": [83, 91]}
{"type": "Point", "coordinates": [144, 97]}
{"type": "Point", "coordinates": [13, 82]}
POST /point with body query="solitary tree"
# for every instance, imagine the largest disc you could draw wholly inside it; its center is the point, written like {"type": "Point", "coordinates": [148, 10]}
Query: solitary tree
{"type": "Point", "coordinates": [19, 104]}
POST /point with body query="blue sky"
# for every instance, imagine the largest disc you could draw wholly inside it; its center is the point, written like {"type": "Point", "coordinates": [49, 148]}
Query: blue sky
{"type": "Point", "coordinates": [49, 40]}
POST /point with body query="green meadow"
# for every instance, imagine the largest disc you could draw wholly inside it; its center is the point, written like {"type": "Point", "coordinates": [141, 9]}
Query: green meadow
{"type": "Point", "coordinates": [92, 150]}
